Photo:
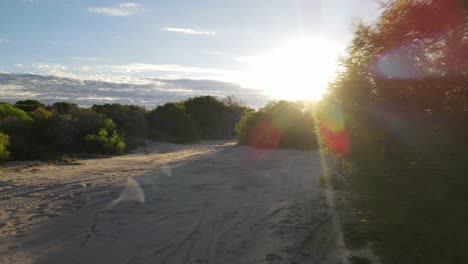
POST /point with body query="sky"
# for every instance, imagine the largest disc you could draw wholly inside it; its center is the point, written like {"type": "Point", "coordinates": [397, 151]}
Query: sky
{"type": "Point", "coordinates": [130, 42]}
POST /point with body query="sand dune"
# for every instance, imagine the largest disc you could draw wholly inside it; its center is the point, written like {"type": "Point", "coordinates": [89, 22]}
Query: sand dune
{"type": "Point", "coordinates": [212, 202]}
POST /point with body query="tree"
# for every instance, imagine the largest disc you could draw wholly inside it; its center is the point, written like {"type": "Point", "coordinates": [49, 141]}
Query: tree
{"type": "Point", "coordinates": [402, 96]}
{"type": "Point", "coordinates": [64, 108]}
{"type": "Point", "coordinates": [29, 105]}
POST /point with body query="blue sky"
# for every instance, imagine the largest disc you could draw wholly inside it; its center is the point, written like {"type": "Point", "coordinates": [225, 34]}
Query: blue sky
{"type": "Point", "coordinates": [123, 41]}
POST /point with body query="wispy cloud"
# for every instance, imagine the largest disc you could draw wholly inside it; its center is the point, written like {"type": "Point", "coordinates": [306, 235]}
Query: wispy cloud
{"type": "Point", "coordinates": [94, 68]}
{"type": "Point", "coordinates": [18, 65]}
{"type": "Point", "coordinates": [122, 9]}
{"type": "Point", "coordinates": [189, 31]}
{"type": "Point", "coordinates": [79, 58]}
{"type": "Point", "coordinates": [45, 66]}
{"type": "Point", "coordinates": [141, 67]}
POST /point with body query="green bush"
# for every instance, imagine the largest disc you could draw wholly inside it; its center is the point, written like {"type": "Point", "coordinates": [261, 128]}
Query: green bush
{"type": "Point", "coordinates": [215, 118]}
{"type": "Point", "coordinates": [257, 129]}
{"type": "Point", "coordinates": [280, 124]}
{"type": "Point", "coordinates": [4, 142]}
{"type": "Point", "coordinates": [170, 122]}
{"type": "Point", "coordinates": [106, 140]}
{"type": "Point", "coordinates": [129, 119]}
{"type": "Point", "coordinates": [8, 111]}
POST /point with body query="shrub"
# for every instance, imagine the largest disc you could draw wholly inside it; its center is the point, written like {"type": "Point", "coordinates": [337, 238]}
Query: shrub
{"type": "Point", "coordinates": [207, 112]}
{"type": "Point", "coordinates": [4, 142]}
{"type": "Point", "coordinates": [106, 140]}
{"type": "Point", "coordinates": [279, 124]}
{"type": "Point", "coordinates": [407, 128]}
{"type": "Point", "coordinates": [8, 111]}
{"type": "Point", "coordinates": [129, 119]}
{"type": "Point", "coordinates": [214, 118]}
{"type": "Point", "coordinates": [171, 122]}
{"type": "Point", "coordinates": [257, 129]}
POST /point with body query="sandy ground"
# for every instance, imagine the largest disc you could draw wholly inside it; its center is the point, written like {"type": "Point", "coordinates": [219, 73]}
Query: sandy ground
{"type": "Point", "coordinates": [212, 202]}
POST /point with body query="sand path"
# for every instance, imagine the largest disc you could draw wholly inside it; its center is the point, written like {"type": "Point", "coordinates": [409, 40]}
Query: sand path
{"type": "Point", "coordinates": [212, 202]}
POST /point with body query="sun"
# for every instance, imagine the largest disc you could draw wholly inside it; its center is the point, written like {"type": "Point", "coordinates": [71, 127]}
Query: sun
{"type": "Point", "coordinates": [297, 70]}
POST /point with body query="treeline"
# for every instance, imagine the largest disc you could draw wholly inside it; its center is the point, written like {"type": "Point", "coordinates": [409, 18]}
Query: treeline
{"type": "Point", "coordinates": [32, 130]}
{"type": "Point", "coordinates": [403, 98]}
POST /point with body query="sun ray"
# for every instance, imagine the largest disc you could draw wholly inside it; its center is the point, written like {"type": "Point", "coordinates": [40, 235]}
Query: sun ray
{"type": "Point", "coordinates": [298, 70]}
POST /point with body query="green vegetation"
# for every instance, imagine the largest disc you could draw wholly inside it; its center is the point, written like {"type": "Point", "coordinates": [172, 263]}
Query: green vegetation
{"type": "Point", "coordinates": [29, 105]}
{"type": "Point", "coordinates": [215, 118]}
{"type": "Point", "coordinates": [106, 141]}
{"type": "Point", "coordinates": [280, 124]}
{"type": "Point", "coordinates": [8, 111]}
{"type": "Point", "coordinates": [403, 97]}
{"type": "Point", "coordinates": [4, 142]}
{"type": "Point", "coordinates": [32, 130]}
{"type": "Point", "coordinates": [170, 122]}
{"type": "Point", "coordinates": [396, 116]}
{"type": "Point", "coordinates": [130, 121]}
{"type": "Point", "coordinates": [65, 108]}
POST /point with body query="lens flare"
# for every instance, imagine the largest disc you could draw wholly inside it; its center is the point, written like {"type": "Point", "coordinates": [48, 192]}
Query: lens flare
{"type": "Point", "coordinates": [265, 135]}
{"type": "Point", "coordinates": [431, 49]}
{"type": "Point", "coordinates": [332, 129]}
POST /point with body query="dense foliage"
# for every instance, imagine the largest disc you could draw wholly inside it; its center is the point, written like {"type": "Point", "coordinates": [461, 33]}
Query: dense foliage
{"type": "Point", "coordinates": [403, 96]}
{"type": "Point", "coordinates": [4, 142]}
{"type": "Point", "coordinates": [106, 140]}
{"type": "Point", "coordinates": [215, 118]}
{"type": "Point", "coordinates": [280, 124]}
{"type": "Point", "coordinates": [130, 120]}
{"type": "Point", "coordinates": [8, 111]}
{"type": "Point", "coordinates": [29, 105]}
{"type": "Point", "coordinates": [170, 122]}
{"type": "Point", "coordinates": [32, 130]}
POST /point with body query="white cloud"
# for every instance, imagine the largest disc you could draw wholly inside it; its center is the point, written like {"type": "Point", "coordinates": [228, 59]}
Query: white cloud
{"type": "Point", "coordinates": [125, 73]}
{"type": "Point", "coordinates": [18, 65]}
{"type": "Point", "coordinates": [45, 66]}
{"type": "Point", "coordinates": [189, 31]}
{"type": "Point", "coordinates": [142, 67]}
{"type": "Point", "coordinates": [52, 69]}
{"type": "Point", "coordinates": [7, 90]}
{"type": "Point", "coordinates": [152, 92]}
{"type": "Point", "coordinates": [122, 9]}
